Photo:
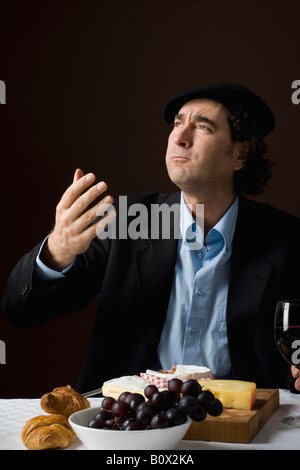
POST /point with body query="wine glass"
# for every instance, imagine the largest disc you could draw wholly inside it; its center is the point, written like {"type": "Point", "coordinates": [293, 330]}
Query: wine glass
{"type": "Point", "coordinates": [287, 336]}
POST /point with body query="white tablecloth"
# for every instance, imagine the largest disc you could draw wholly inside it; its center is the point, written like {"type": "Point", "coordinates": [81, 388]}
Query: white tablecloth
{"type": "Point", "coordinates": [273, 436]}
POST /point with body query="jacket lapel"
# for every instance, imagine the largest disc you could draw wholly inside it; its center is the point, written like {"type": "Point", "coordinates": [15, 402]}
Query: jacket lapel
{"type": "Point", "coordinates": [249, 271]}
{"type": "Point", "coordinates": [249, 275]}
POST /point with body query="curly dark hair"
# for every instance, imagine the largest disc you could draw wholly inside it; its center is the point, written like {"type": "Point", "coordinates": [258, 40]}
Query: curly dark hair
{"type": "Point", "coordinates": [253, 177]}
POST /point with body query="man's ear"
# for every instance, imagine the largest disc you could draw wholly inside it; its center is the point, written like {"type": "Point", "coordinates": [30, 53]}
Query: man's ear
{"type": "Point", "coordinates": [243, 152]}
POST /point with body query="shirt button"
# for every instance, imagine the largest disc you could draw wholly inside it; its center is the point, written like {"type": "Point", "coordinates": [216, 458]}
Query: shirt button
{"type": "Point", "coordinates": [194, 331]}
{"type": "Point", "coordinates": [199, 255]}
{"type": "Point", "coordinates": [200, 292]}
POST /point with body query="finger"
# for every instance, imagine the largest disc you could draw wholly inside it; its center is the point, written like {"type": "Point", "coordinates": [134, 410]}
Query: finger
{"type": "Point", "coordinates": [78, 174]}
{"type": "Point", "coordinates": [297, 384]}
{"type": "Point", "coordinates": [88, 217]}
{"type": "Point", "coordinates": [93, 230]}
{"type": "Point", "coordinates": [75, 190]}
{"type": "Point", "coordinates": [295, 372]}
{"type": "Point", "coordinates": [82, 203]}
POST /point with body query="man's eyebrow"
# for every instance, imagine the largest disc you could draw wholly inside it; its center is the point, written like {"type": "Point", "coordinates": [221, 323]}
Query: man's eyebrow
{"type": "Point", "coordinates": [200, 118]}
{"type": "Point", "coordinates": [179, 117]}
{"type": "Point", "coordinates": [197, 118]}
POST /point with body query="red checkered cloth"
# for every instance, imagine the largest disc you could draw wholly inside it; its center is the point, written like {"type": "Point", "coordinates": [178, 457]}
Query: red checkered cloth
{"type": "Point", "coordinates": [155, 380]}
{"type": "Point", "coordinates": [162, 381]}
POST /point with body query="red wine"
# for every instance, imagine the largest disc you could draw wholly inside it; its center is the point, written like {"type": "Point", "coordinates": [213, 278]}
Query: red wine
{"type": "Point", "coordinates": [288, 342]}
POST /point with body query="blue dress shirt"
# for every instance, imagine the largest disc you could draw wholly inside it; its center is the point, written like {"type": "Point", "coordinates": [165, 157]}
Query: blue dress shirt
{"type": "Point", "coordinates": [195, 329]}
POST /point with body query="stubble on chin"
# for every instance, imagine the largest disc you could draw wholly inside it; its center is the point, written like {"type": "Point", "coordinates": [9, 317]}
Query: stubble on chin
{"type": "Point", "coordinates": [183, 180]}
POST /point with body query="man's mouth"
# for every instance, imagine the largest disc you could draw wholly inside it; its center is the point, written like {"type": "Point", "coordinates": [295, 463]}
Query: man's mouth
{"type": "Point", "coordinates": [180, 158]}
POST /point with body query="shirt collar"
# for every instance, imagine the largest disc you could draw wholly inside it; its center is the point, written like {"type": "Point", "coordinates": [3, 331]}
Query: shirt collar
{"type": "Point", "coordinates": [191, 233]}
{"type": "Point", "coordinates": [225, 226]}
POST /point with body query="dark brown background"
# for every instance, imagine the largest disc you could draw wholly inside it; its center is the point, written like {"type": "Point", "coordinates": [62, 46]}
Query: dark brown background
{"type": "Point", "coordinates": [86, 82]}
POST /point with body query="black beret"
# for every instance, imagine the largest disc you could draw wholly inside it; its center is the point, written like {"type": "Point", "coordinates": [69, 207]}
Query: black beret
{"type": "Point", "coordinates": [233, 96]}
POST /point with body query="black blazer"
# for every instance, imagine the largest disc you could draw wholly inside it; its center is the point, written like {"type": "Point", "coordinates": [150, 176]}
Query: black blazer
{"type": "Point", "coordinates": [134, 279]}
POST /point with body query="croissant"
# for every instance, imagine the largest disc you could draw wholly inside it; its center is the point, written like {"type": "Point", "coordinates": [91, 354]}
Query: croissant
{"type": "Point", "coordinates": [47, 432]}
{"type": "Point", "coordinates": [64, 401]}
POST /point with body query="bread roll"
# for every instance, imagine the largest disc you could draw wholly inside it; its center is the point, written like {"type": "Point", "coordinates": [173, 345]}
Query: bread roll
{"type": "Point", "coordinates": [64, 401]}
{"type": "Point", "coordinates": [47, 432]}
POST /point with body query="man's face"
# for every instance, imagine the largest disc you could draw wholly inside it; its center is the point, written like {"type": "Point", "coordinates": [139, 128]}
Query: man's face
{"type": "Point", "coordinates": [200, 154]}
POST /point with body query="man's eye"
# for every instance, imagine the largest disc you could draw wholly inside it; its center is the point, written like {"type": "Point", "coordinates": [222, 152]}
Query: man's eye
{"type": "Point", "coordinates": [177, 124]}
{"type": "Point", "coordinates": [204, 128]}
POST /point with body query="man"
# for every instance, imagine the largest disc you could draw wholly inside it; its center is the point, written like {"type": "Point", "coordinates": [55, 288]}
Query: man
{"type": "Point", "coordinates": [162, 303]}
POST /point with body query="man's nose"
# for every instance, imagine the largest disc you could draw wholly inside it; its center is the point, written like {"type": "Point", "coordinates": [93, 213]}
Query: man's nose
{"type": "Point", "coordinates": [183, 137]}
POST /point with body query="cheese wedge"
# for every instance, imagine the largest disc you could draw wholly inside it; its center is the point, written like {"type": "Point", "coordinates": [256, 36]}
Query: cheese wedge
{"type": "Point", "coordinates": [183, 372]}
{"type": "Point", "coordinates": [235, 394]}
{"type": "Point", "coordinates": [128, 383]}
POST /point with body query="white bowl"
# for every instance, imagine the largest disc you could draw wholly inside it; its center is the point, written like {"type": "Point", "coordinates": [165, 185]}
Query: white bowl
{"type": "Point", "coordinates": [106, 439]}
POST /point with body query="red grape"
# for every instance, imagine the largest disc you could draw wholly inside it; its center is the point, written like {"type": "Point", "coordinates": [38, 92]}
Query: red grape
{"type": "Point", "coordinates": [163, 400]}
{"type": "Point", "coordinates": [133, 426]}
{"type": "Point", "coordinates": [159, 421]}
{"type": "Point", "coordinates": [135, 401]}
{"type": "Point", "coordinates": [188, 404]}
{"type": "Point", "coordinates": [191, 387]}
{"type": "Point", "coordinates": [123, 396]}
{"type": "Point", "coordinates": [144, 414]}
{"type": "Point", "coordinates": [130, 396]}
{"type": "Point", "coordinates": [107, 403]}
{"type": "Point", "coordinates": [103, 414]}
{"type": "Point", "coordinates": [120, 409]}
{"type": "Point", "coordinates": [199, 415]}
{"type": "Point", "coordinates": [216, 409]}
{"type": "Point", "coordinates": [97, 423]}
{"type": "Point", "coordinates": [206, 398]}
{"type": "Point", "coordinates": [174, 385]}
{"type": "Point", "coordinates": [175, 416]}
{"type": "Point", "coordinates": [126, 422]}
{"type": "Point", "coordinates": [149, 390]}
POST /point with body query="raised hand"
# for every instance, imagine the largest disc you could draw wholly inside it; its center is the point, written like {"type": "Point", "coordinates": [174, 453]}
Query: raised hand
{"type": "Point", "coordinates": [74, 229]}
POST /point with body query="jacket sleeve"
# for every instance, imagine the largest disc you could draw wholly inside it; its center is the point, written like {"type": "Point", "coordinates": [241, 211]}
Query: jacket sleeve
{"type": "Point", "coordinates": [30, 302]}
